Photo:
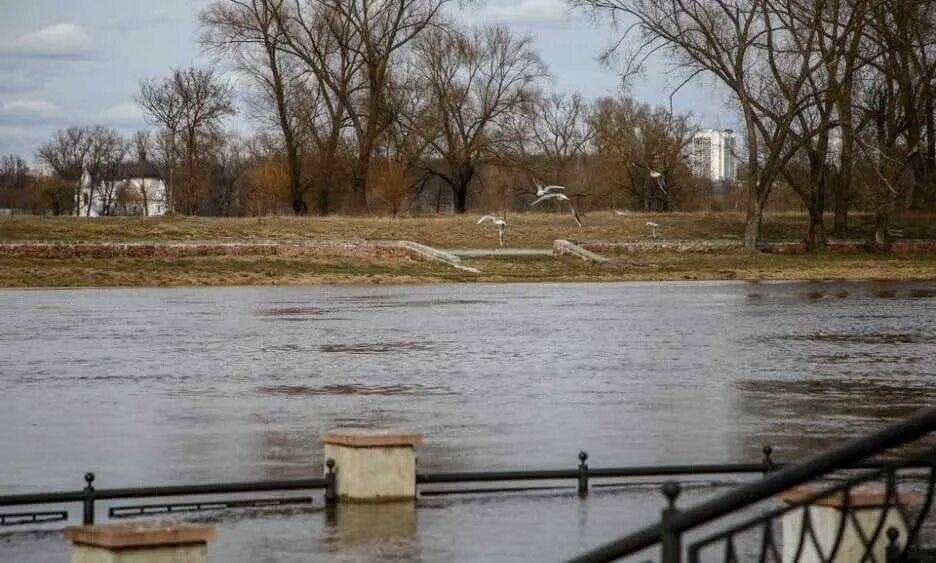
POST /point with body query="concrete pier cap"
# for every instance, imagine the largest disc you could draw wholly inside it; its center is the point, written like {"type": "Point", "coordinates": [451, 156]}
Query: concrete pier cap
{"type": "Point", "coordinates": [866, 502]}
{"type": "Point", "coordinates": [373, 465]}
{"type": "Point", "coordinates": [140, 542]}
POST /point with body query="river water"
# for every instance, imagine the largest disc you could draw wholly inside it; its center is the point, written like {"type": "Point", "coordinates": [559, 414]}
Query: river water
{"type": "Point", "coordinates": [189, 385]}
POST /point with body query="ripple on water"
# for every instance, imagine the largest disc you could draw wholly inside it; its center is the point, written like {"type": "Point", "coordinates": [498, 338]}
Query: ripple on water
{"type": "Point", "coordinates": [350, 389]}
{"type": "Point", "coordinates": [375, 347]}
{"type": "Point", "coordinates": [289, 311]}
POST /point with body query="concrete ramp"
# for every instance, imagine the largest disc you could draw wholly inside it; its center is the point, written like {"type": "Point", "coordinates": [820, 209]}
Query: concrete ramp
{"type": "Point", "coordinates": [436, 255]}
{"type": "Point", "coordinates": [500, 252]}
{"type": "Point", "coordinates": [562, 246]}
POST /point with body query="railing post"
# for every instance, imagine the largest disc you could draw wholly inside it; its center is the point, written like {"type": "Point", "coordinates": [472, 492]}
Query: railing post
{"type": "Point", "coordinates": [767, 461]}
{"type": "Point", "coordinates": [331, 486]}
{"type": "Point", "coordinates": [892, 554]}
{"type": "Point", "coordinates": [671, 540]}
{"type": "Point", "coordinates": [583, 474]}
{"type": "Point", "coordinates": [88, 502]}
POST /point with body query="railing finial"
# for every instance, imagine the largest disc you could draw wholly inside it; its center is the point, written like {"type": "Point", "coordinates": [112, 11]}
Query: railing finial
{"type": "Point", "coordinates": [331, 488]}
{"type": "Point", "coordinates": [767, 461]}
{"type": "Point", "coordinates": [892, 553]}
{"type": "Point", "coordinates": [583, 474]}
{"type": "Point", "coordinates": [671, 490]}
{"type": "Point", "coordinates": [87, 504]}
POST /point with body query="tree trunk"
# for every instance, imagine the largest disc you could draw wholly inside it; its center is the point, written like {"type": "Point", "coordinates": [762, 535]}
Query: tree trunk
{"type": "Point", "coordinates": [322, 203]}
{"type": "Point", "coordinates": [816, 237]}
{"type": "Point", "coordinates": [295, 180]}
{"type": "Point", "coordinates": [752, 223]}
{"type": "Point", "coordinates": [460, 197]}
{"type": "Point", "coordinates": [359, 189]}
{"type": "Point", "coordinates": [881, 224]}
{"type": "Point", "coordinates": [460, 188]}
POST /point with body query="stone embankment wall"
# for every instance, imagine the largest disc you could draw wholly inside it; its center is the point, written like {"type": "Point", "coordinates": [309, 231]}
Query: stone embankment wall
{"type": "Point", "coordinates": [364, 249]}
{"type": "Point", "coordinates": [901, 246]}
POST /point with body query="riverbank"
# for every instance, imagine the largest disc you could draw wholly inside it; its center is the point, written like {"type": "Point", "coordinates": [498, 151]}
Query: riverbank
{"type": "Point", "coordinates": [70, 252]}
{"type": "Point", "coordinates": [292, 270]}
{"type": "Point", "coordinates": [443, 231]}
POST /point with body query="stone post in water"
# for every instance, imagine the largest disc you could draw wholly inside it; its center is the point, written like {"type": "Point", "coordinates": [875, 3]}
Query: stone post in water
{"type": "Point", "coordinates": [865, 506]}
{"type": "Point", "coordinates": [143, 542]}
{"type": "Point", "coordinates": [373, 466]}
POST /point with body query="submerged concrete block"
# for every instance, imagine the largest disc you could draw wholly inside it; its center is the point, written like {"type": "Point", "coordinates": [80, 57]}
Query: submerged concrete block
{"type": "Point", "coordinates": [373, 466]}
{"type": "Point", "coordinates": [142, 542]}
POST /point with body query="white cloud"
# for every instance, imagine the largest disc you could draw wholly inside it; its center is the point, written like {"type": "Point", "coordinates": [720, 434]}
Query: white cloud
{"type": "Point", "coordinates": [127, 114]}
{"type": "Point", "coordinates": [527, 10]}
{"type": "Point", "coordinates": [26, 111]}
{"type": "Point", "coordinates": [59, 41]}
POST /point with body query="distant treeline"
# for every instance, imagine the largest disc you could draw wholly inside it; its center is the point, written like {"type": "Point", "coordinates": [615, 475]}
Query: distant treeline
{"type": "Point", "coordinates": [393, 106]}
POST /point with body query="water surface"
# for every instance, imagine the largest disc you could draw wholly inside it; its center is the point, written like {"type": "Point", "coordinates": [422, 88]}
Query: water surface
{"type": "Point", "coordinates": [188, 385]}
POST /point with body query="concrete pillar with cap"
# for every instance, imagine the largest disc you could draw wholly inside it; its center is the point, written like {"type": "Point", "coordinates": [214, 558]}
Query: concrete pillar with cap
{"type": "Point", "coordinates": [140, 542]}
{"type": "Point", "coordinates": [865, 503]}
{"type": "Point", "coordinates": [373, 466]}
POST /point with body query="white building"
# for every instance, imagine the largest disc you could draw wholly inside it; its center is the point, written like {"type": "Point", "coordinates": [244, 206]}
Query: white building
{"type": "Point", "coordinates": [137, 189]}
{"type": "Point", "coordinates": [714, 154]}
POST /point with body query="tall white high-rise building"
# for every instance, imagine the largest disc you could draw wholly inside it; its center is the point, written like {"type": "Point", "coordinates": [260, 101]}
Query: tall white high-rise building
{"type": "Point", "coordinates": [713, 154]}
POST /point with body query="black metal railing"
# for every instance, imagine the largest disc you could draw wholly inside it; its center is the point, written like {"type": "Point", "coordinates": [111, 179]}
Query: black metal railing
{"type": "Point", "coordinates": [674, 523]}
{"type": "Point", "coordinates": [854, 458]}
{"type": "Point", "coordinates": [90, 495]}
{"type": "Point", "coordinates": [582, 475]}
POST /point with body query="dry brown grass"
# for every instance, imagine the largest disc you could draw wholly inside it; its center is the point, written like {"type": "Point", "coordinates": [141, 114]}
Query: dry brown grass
{"type": "Point", "coordinates": [251, 270]}
{"type": "Point", "coordinates": [526, 230]}
{"type": "Point", "coordinates": [444, 231]}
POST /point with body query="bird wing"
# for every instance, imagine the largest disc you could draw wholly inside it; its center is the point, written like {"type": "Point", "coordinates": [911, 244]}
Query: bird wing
{"type": "Point", "coordinates": [544, 198]}
{"type": "Point", "coordinates": [552, 188]}
{"type": "Point", "coordinates": [490, 218]}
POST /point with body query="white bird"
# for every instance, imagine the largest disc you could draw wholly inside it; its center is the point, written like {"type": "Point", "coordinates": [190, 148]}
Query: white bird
{"type": "Point", "coordinates": [542, 190]}
{"type": "Point", "coordinates": [620, 213]}
{"type": "Point", "coordinates": [653, 227]}
{"type": "Point", "coordinates": [658, 176]}
{"type": "Point", "coordinates": [501, 226]}
{"type": "Point", "coordinates": [561, 197]}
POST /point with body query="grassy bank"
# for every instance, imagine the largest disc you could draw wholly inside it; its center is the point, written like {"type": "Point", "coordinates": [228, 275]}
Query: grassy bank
{"type": "Point", "coordinates": [445, 231]}
{"type": "Point", "coordinates": [537, 230]}
{"type": "Point", "coordinates": [243, 270]}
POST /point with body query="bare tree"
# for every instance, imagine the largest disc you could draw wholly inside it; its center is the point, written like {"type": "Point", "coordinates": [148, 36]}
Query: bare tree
{"type": "Point", "coordinates": [107, 150]}
{"type": "Point", "coordinates": [473, 82]}
{"type": "Point", "coordinates": [248, 31]}
{"type": "Point", "coordinates": [748, 48]}
{"type": "Point", "coordinates": [66, 155]}
{"type": "Point", "coordinates": [560, 132]}
{"type": "Point", "coordinates": [162, 107]}
{"type": "Point", "coordinates": [190, 105]}
{"type": "Point", "coordinates": [351, 47]}
{"type": "Point", "coordinates": [630, 140]}
{"type": "Point", "coordinates": [896, 104]}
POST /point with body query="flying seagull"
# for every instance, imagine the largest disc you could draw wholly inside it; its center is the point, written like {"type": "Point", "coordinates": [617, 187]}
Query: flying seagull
{"type": "Point", "coordinates": [501, 226]}
{"type": "Point", "coordinates": [561, 197]}
{"type": "Point", "coordinates": [542, 190]}
{"type": "Point", "coordinates": [658, 176]}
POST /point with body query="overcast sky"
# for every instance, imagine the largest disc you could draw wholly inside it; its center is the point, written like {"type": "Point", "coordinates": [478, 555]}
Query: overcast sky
{"type": "Point", "coordinates": [79, 62]}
